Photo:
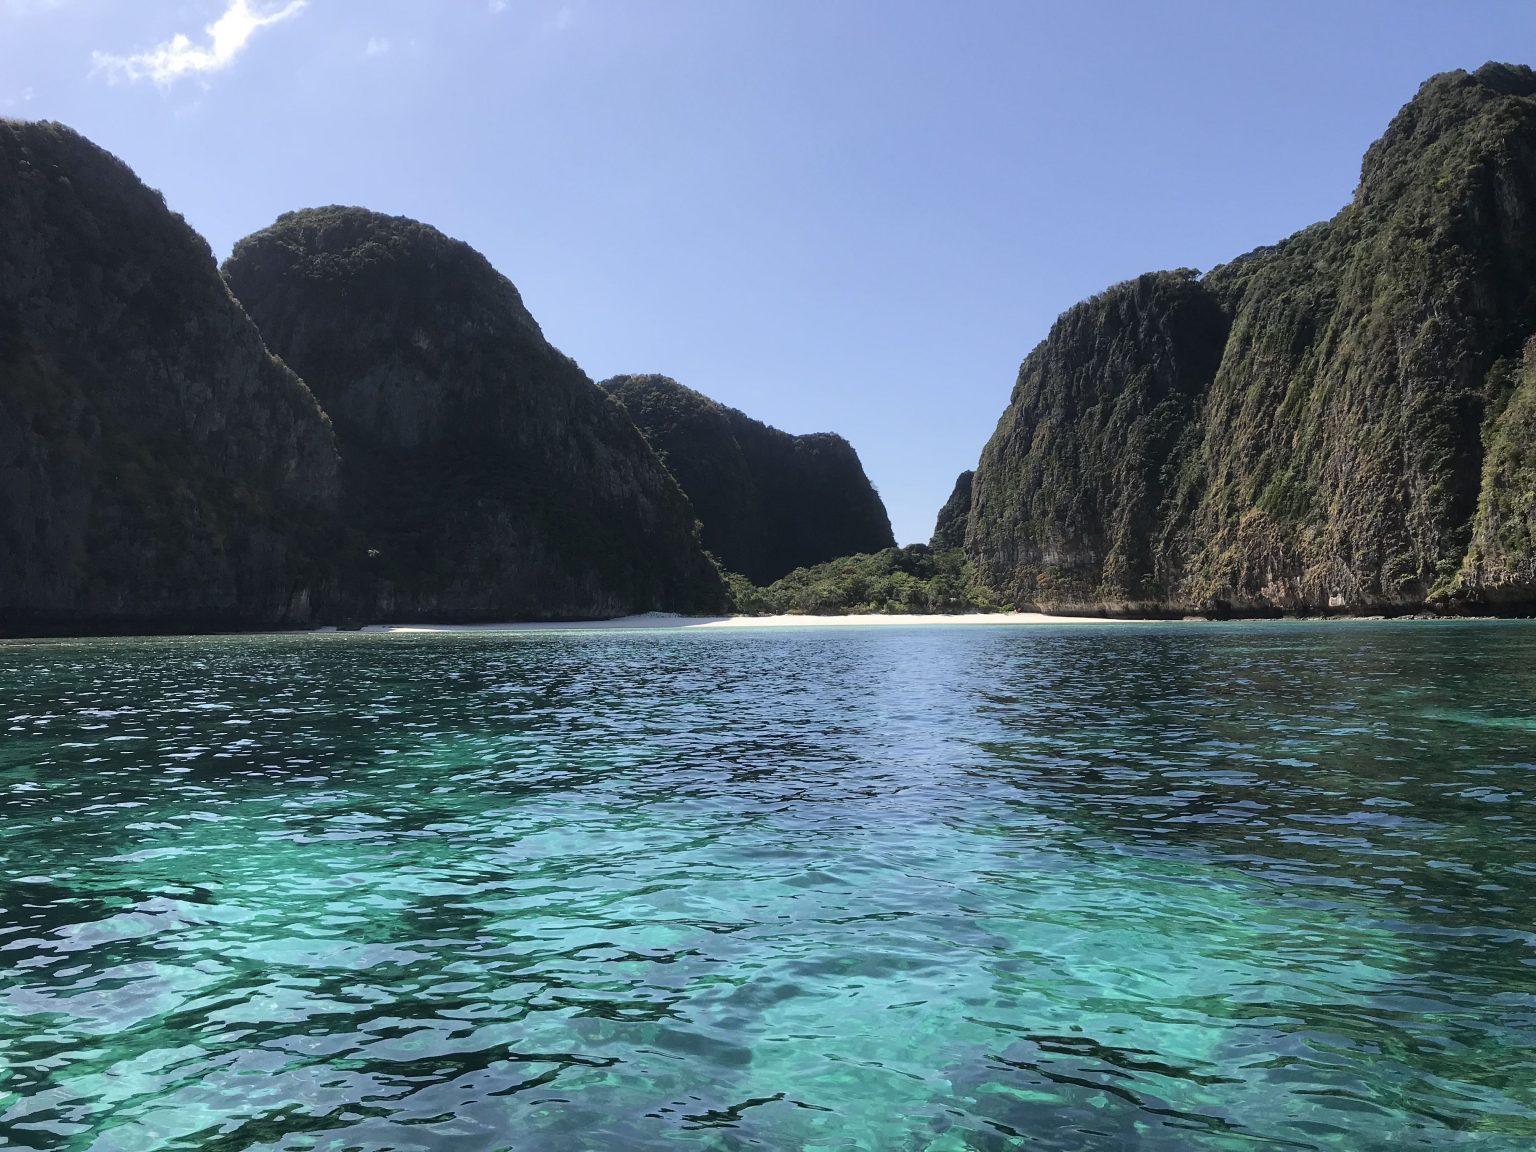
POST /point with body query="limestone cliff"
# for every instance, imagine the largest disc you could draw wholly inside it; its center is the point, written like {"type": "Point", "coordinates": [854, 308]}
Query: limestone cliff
{"type": "Point", "coordinates": [159, 469]}
{"type": "Point", "coordinates": [1307, 426]}
{"type": "Point", "coordinates": [949, 528]}
{"type": "Point", "coordinates": [488, 476]}
{"type": "Point", "coordinates": [1500, 566]}
{"type": "Point", "coordinates": [768, 502]}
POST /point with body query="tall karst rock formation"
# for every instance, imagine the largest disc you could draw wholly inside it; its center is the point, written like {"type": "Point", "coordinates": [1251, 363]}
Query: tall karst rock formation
{"type": "Point", "coordinates": [1342, 420]}
{"type": "Point", "coordinates": [159, 469]}
{"type": "Point", "coordinates": [768, 502]}
{"type": "Point", "coordinates": [489, 477]}
{"type": "Point", "coordinates": [949, 526]}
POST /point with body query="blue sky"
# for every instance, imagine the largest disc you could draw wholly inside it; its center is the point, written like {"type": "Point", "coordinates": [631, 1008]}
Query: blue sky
{"type": "Point", "coordinates": [855, 215]}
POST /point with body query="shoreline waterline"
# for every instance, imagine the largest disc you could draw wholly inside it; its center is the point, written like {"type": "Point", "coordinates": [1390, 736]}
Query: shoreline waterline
{"type": "Point", "coordinates": [666, 620]}
{"type": "Point", "coordinates": [674, 622]}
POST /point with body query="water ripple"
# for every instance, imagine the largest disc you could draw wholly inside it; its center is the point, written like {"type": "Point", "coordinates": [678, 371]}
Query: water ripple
{"type": "Point", "coordinates": [1152, 887]}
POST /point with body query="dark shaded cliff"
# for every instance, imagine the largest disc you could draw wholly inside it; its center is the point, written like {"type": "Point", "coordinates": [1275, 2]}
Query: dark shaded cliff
{"type": "Point", "coordinates": [949, 527]}
{"type": "Point", "coordinates": [1313, 425]}
{"type": "Point", "coordinates": [159, 470]}
{"type": "Point", "coordinates": [768, 502]}
{"type": "Point", "coordinates": [490, 478]}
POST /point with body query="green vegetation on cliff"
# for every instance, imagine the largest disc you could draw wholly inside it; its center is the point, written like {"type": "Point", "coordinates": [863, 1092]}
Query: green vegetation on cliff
{"type": "Point", "coordinates": [489, 477]}
{"type": "Point", "coordinates": [1344, 420]}
{"type": "Point", "coordinates": [768, 502]}
{"type": "Point", "coordinates": [1501, 563]}
{"type": "Point", "coordinates": [949, 527]}
{"type": "Point", "coordinates": [913, 580]}
{"type": "Point", "coordinates": [1067, 492]}
{"type": "Point", "coordinates": [1307, 426]}
{"type": "Point", "coordinates": [159, 469]}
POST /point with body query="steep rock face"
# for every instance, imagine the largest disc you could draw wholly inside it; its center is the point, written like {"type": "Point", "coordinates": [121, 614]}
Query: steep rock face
{"type": "Point", "coordinates": [768, 502]}
{"type": "Point", "coordinates": [159, 469]}
{"type": "Point", "coordinates": [949, 528]}
{"type": "Point", "coordinates": [1500, 567]}
{"type": "Point", "coordinates": [489, 477]}
{"type": "Point", "coordinates": [1067, 492]}
{"type": "Point", "coordinates": [1334, 455]}
{"type": "Point", "coordinates": [695, 439]}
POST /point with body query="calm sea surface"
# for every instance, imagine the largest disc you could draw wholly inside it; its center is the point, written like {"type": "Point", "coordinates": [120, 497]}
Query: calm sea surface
{"type": "Point", "coordinates": [1139, 887]}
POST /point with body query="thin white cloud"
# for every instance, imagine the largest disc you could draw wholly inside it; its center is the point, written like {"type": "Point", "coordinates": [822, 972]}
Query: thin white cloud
{"type": "Point", "coordinates": [377, 46]}
{"type": "Point", "coordinates": [496, 7]}
{"type": "Point", "coordinates": [179, 57]}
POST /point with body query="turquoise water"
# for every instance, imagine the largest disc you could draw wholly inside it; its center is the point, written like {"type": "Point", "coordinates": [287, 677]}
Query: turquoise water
{"type": "Point", "coordinates": [1264, 886]}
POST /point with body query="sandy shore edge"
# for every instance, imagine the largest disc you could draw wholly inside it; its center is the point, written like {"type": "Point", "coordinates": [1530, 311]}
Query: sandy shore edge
{"type": "Point", "coordinates": [665, 620]}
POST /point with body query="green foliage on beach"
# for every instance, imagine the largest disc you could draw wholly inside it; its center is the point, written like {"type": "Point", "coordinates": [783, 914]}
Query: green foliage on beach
{"type": "Point", "coordinates": [914, 580]}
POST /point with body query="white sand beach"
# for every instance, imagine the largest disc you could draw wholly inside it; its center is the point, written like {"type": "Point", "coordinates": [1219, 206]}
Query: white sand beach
{"type": "Point", "coordinates": [667, 620]}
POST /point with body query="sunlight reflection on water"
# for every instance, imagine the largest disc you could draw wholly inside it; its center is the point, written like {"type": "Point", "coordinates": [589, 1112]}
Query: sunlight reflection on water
{"type": "Point", "coordinates": [1151, 887]}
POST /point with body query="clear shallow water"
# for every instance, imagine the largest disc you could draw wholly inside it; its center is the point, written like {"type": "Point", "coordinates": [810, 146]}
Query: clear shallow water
{"type": "Point", "coordinates": [1143, 887]}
